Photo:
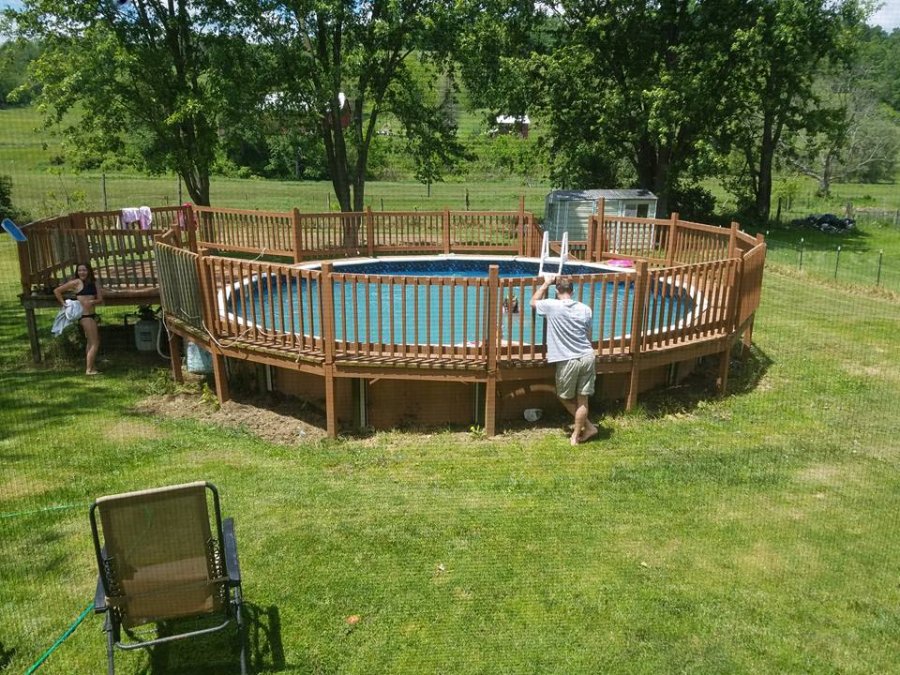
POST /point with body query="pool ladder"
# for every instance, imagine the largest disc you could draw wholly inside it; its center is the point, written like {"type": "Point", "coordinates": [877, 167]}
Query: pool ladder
{"type": "Point", "coordinates": [547, 258]}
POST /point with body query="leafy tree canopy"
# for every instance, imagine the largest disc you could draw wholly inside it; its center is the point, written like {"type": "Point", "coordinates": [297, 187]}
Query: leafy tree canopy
{"type": "Point", "coordinates": [148, 78]}
{"type": "Point", "coordinates": [337, 68]}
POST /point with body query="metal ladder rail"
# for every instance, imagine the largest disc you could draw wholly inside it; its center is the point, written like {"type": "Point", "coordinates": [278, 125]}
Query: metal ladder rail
{"type": "Point", "coordinates": [547, 258]}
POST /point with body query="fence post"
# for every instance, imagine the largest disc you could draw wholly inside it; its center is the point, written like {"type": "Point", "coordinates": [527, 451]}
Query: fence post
{"type": "Point", "coordinates": [673, 240]}
{"type": "Point", "coordinates": [370, 232]}
{"type": "Point", "coordinates": [521, 225]}
{"type": "Point", "coordinates": [208, 311]}
{"type": "Point", "coordinates": [601, 228]}
{"type": "Point", "coordinates": [326, 293]}
{"type": "Point", "coordinates": [30, 316]}
{"type": "Point", "coordinates": [591, 233]}
{"type": "Point", "coordinates": [878, 273]}
{"type": "Point", "coordinates": [298, 234]}
{"type": "Point", "coordinates": [79, 234]}
{"type": "Point", "coordinates": [801, 254]}
{"type": "Point", "coordinates": [493, 318]}
{"type": "Point", "coordinates": [446, 230]}
{"type": "Point", "coordinates": [637, 326]}
{"type": "Point", "coordinates": [732, 239]}
{"type": "Point", "coordinates": [837, 262]}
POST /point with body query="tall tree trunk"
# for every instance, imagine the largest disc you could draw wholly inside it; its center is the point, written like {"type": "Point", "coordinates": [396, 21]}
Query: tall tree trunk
{"type": "Point", "coordinates": [336, 157]}
{"type": "Point", "coordinates": [766, 162]}
{"type": "Point", "coordinates": [197, 184]}
{"type": "Point", "coordinates": [825, 178]}
{"type": "Point", "coordinates": [652, 173]}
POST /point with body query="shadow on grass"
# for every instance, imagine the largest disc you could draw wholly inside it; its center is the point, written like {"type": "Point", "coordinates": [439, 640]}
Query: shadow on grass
{"type": "Point", "coordinates": [745, 373]}
{"type": "Point", "coordinates": [219, 652]}
{"type": "Point", "coordinates": [855, 240]}
{"type": "Point", "coordinates": [36, 397]}
{"type": "Point", "coordinates": [6, 656]}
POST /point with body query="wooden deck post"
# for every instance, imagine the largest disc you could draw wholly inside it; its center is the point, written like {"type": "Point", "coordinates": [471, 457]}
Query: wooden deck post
{"type": "Point", "coordinates": [591, 233]}
{"type": "Point", "coordinates": [724, 363]}
{"type": "Point", "coordinates": [637, 324]}
{"type": "Point", "coordinates": [493, 312]}
{"type": "Point", "coordinates": [79, 234]}
{"type": "Point", "coordinates": [298, 235]}
{"type": "Point", "coordinates": [31, 325]}
{"type": "Point", "coordinates": [673, 240]}
{"type": "Point", "coordinates": [30, 317]}
{"type": "Point", "coordinates": [601, 228]}
{"type": "Point", "coordinates": [520, 229]}
{"type": "Point", "coordinates": [446, 230]}
{"type": "Point", "coordinates": [220, 373]}
{"type": "Point", "coordinates": [732, 239]}
{"type": "Point", "coordinates": [175, 356]}
{"type": "Point", "coordinates": [326, 291]}
{"type": "Point", "coordinates": [529, 236]}
{"type": "Point", "coordinates": [190, 222]}
{"type": "Point", "coordinates": [208, 313]}
{"type": "Point", "coordinates": [370, 232]}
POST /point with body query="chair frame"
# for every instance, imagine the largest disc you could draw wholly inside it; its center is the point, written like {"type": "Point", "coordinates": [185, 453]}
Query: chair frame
{"type": "Point", "coordinates": [112, 625]}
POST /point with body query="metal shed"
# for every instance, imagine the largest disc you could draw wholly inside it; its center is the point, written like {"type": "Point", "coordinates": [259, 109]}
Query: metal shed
{"type": "Point", "coordinates": [570, 210]}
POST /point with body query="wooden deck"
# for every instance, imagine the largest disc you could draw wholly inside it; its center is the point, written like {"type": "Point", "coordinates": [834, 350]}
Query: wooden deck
{"type": "Point", "coordinates": [197, 263]}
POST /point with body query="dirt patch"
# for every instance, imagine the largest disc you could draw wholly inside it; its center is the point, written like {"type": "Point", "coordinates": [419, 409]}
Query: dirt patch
{"type": "Point", "coordinates": [283, 421]}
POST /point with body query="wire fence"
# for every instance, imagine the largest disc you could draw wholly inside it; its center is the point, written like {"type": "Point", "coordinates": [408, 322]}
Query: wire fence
{"type": "Point", "coordinates": [865, 268]}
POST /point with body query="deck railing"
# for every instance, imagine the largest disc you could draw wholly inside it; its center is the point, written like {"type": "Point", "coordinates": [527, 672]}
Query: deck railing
{"type": "Point", "coordinates": [122, 255]}
{"type": "Point", "coordinates": [469, 320]}
{"type": "Point", "coordinates": [306, 236]}
{"type": "Point", "coordinates": [708, 285]}
{"type": "Point", "coordinates": [350, 316]}
{"type": "Point", "coordinates": [179, 288]}
{"type": "Point", "coordinates": [750, 290]}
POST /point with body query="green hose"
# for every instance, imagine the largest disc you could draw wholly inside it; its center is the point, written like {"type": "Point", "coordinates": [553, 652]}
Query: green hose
{"type": "Point", "coordinates": [62, 638]}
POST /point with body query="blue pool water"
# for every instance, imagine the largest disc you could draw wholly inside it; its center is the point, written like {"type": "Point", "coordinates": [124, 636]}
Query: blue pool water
{"type": "Point", "coordinates": [430, 314]}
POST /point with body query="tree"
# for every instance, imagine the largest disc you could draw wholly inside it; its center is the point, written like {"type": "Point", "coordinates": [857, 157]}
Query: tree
{"type": "Point", "coordinates": [14, 59]}
{"type": "Point", "coordinates": [343, 66]}
{"type": "Point", "coordinates": [627, 90]}
{"type": "Point", "coordinates": [782, 44]}
{"type": "Point", "coordinates": [146, 76]}
{"type": "Point", "coordinates": [858, 138]}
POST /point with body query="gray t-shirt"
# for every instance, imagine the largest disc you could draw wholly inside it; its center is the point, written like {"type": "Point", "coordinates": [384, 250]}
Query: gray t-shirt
{"type": "Point", "coordinates": [568, 328]}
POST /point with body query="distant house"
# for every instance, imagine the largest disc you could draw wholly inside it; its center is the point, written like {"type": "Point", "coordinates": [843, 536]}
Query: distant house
{"type": "Point", "coordinates": [511, 124]}
{"type": "Point", "coordinates": [570, 210]}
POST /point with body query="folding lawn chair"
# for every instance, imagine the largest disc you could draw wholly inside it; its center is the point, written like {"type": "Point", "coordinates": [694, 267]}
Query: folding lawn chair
{"type": "Point", "coordinates": [160, 561]}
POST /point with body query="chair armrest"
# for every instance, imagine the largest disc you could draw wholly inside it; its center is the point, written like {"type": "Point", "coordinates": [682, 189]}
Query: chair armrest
{"type": "Point", "coordinates": [232, 565]}
{"type": "Point", "coordinates": [100, 597]}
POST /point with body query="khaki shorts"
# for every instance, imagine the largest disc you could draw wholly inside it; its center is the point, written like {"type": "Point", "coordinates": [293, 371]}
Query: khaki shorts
{"type": "Point", "coordinates": [576, 377]}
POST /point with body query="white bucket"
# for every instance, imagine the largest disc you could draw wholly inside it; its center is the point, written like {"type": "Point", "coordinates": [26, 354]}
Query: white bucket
{"type": "Point", "coordinates": [145, 334]}
{"type": "Point", "coordinates": [533, 414]}
{"type": "Point", "coordinates": [198, 359]}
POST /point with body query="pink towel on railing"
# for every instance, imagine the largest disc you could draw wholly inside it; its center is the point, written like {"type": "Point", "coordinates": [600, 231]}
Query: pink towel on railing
{"type": "Point", "coordinates": [137, 214]}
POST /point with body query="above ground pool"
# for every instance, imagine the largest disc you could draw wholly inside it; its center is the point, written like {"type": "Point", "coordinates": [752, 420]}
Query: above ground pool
{"type": "Point", "coordinates": [413, 307]}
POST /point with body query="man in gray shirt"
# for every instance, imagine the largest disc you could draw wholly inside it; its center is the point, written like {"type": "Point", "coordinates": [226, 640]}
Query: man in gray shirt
{"type": "Point", "coordinates": [569, 346]}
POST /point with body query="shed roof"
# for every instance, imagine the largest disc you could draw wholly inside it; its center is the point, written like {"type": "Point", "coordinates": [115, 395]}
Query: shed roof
{"type": "Point", "coordinates": [594, 195]}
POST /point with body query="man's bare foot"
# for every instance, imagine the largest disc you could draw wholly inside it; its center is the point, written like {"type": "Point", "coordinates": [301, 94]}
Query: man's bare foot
{"type": "Point", "coordinates": [589, 432]}
{"type": "Point", "coordinates": [92, 372]}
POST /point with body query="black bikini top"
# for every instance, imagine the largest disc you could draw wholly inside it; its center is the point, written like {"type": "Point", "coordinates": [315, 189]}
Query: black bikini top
{"type": "Point", "coordinates": [88, 288]}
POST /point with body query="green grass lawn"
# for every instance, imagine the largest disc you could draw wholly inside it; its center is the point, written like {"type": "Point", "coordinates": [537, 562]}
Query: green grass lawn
{"type": "Point", "coordinates": [753, 533]}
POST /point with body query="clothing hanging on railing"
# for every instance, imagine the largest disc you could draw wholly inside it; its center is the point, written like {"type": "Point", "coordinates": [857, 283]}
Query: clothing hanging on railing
{"type": "Point", "coordinates": [137, 214]}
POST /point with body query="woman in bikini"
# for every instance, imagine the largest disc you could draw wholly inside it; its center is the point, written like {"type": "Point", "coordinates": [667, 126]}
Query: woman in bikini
{"type": "Point", "coordinates": [88, 293]}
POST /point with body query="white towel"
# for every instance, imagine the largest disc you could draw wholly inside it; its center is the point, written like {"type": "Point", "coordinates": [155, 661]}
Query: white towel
{"type": "Point", "coordinates": [70, 313]}
{"type": "Point", "coordinates": [137, 214]}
